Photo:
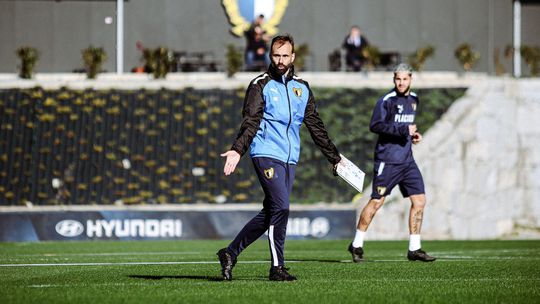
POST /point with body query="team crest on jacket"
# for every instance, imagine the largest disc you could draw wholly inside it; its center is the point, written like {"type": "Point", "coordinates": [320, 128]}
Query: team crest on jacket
{"type": "Point", "coordinates": [241, 14]}
{"type": "Point", "coordinates": [297, 92]}
{"type": "Point", "coordinates": [269, 173]}
{"type": "Point", "coordinates": [414, 106]}
{"type": "Point", "coordinates": [381, 190]}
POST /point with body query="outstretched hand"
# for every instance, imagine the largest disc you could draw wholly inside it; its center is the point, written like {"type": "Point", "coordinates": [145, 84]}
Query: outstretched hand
{"type": "Point", "coordinates": [232, 159]}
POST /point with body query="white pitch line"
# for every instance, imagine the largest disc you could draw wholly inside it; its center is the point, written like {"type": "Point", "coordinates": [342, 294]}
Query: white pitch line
{"type": "Point", "coordinates": [113, 253]}
{"type": "Point", "coordinates": [80, 285]}
{"type": "Point", "coordinates": [445, 259]}
{"type": "Point", "coordinates": [128, 263]}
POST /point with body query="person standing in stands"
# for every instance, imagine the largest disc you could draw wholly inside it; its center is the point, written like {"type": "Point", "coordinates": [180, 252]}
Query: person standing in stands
{"type": "Point", "coordinates": [393, 120]}
{"type": "Point", "coordinates": [256, 53]}
{"type": "Point", "coordinates": [275, 106]}
{"type": "Point", "coordinates": [354, 45]}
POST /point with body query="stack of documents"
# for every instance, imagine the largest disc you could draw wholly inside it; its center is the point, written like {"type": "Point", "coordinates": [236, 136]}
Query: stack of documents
{"type": "Point", "coordinates": [351, 173]}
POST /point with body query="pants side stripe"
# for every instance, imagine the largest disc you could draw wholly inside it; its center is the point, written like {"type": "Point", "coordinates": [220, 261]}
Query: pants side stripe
{"type": "Point", "coordinates": [381, 168]}
{"type": "Point", "coordinates": [272, 245]}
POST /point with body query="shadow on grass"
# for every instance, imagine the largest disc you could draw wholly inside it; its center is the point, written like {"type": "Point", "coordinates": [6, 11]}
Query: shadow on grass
{"type": "Point", "coordinates": [189, 277]}
{"type": "Point", "coordinates": [186, 277]}
{"type": "Point", "coordinates": [318, 260]}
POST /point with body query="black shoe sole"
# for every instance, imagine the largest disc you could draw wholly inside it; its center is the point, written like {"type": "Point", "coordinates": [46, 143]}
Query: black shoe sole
{"type": "Point", "coordinates": [226, 277]}
{"type": "Point", "coordinates": [350, 250]}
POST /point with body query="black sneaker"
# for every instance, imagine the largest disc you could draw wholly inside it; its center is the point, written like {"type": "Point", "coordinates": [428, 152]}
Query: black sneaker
{"type": "Point", "coordinates": [357, 253]}
{"type": "Point", "coordinates": [420, 255]}
{"type": "Point", "coordinates": [279, 273]}
{"type": "Point", "coordinates": [227, 263]}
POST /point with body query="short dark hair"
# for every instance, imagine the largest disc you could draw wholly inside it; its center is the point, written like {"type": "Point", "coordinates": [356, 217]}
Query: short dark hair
{"type": "Point", "coordinates": [281, 40]}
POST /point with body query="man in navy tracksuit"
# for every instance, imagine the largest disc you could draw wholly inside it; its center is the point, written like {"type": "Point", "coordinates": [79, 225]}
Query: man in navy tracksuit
{"type": "Point", "coordinates": [393, 120]}
{"type": "Point", "coordinates": [276, 104]}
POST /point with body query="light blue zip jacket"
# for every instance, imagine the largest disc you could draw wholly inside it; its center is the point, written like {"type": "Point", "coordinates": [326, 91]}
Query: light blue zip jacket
{"type": "Point", "coordinates": [274, 109]}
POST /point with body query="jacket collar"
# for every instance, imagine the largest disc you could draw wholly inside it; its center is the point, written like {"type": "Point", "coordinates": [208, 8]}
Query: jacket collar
{"type": "Point", "coordinates": [274, 74]}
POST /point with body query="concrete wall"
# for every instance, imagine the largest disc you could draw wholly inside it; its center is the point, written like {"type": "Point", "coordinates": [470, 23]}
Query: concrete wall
{"type": "Point", "coordinates": [60, 29]}
{"type": "Point", "coordinates": [481, 167]}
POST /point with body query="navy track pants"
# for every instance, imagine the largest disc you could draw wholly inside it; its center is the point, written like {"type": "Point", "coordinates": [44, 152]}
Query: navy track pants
{"type": "Point", "coordinates": [276, 178]}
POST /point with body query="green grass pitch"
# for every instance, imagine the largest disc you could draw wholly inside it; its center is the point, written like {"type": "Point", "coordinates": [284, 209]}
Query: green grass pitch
{"type": "Point", "coordinates": [188, 272]}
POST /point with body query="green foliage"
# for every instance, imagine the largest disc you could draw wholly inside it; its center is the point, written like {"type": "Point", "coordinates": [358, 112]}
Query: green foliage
{"type": "Point", "coordinates": [508, 51]}
{"type": "Point", "coordinates": [83, 137]}
{"type": "Point", "coordinates": [157, 61]}
{"type": "Point", "coordinates": [531, 56]}
{"type": "Point", "coordinates": [301, 53]}
{"type": "Point", "coordinates": [29, 57]}
{"type": "Point", "coordinates": [499, 67]}
{"type": "Point", "coordinates": [234, 60]}
{"type": "Point", "coordinates": [419, 57]}
{"type": "Point", "coordinates": [466, 56]}
{"type": "Point", "coordinates": [372, 54]}
{"type": "Point", "coordinates": [93, 59]}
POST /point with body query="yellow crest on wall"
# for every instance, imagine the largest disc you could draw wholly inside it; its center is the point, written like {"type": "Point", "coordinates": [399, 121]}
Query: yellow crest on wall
{"type": "Point", "coordinates": [242, 12]}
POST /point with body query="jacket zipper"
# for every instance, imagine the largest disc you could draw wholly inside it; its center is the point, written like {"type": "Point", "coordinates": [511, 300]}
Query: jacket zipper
{"type": "Point", "coordinates": [290, 120]}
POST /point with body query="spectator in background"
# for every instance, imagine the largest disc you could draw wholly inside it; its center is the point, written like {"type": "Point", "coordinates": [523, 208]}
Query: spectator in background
{"type": "Point", "coordinates": [256, 55]}
{"type": "Point", "coordinates": [354, 44]}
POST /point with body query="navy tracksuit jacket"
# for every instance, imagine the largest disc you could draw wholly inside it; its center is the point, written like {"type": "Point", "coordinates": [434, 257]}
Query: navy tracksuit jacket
{"type": "Point", "coordinates": [394, 162]}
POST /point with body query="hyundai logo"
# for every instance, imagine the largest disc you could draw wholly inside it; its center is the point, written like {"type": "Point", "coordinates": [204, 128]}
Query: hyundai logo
{"type": "Point", "coordinates": [69, 228]}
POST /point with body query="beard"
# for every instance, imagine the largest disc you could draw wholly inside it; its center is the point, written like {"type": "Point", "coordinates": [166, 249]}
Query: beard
{"type": "Point", "coordinates": [281, 68]}
{"type": "Point", "coordinates": [403, 91]}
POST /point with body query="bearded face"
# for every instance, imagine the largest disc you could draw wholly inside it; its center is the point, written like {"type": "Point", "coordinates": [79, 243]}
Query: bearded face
{"type": "Point", "coordinates": [402, 81]}
{"type": "Point", "coordinates": [282, 57]}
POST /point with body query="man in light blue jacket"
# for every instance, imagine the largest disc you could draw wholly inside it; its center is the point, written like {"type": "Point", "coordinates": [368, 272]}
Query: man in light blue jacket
{"type": "Point", "coordinates": [276, 104]}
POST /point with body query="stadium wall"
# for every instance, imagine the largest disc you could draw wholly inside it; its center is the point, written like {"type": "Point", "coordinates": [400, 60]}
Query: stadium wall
{"type": "Point", "coordinates": [61, 29]}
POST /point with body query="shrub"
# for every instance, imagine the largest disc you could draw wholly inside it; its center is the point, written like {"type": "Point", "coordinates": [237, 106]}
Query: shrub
{"type": "Point", "coordinates": [93, 60]}
{"type": "Point", "coordinates": [419, 57]}
{"type": "Point", "coordinates": [372, 55]}
{"type": "Point", "coordinates": [234, 60]}
{"type": "Point", "coordinates": [300, 56]}
{"type": "Point", "coordinates": [466, 56]}
{"type": "Point", "coordinates": [29, 56]}
{"type": "Point", "coordinates": [157, 61]}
